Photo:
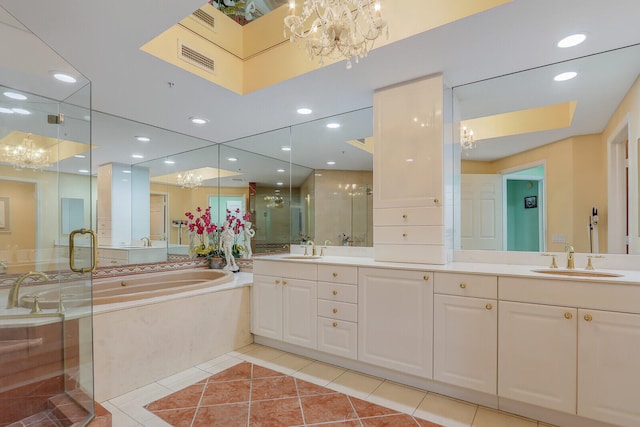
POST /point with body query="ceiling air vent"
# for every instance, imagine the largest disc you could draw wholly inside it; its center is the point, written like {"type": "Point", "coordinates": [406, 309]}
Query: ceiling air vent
{"type": "Point", "coordinates": [205, 18]}
{"type": "Point", "coordinates": [196, 58]}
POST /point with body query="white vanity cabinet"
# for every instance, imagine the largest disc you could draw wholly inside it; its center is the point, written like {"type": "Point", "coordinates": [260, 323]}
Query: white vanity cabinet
{"type": "Point", "coordinates": [537, 354]}
{"type": "Point", "coordinates": [338, 310]}
{"type": "Point", "coordinates": [609, 366]}
{"type": "Point", "coordinates": [407, 175]}
{"type": "Point", "coordinates": [395, 319]}
{"type": "Point", "coordinates": [283, 302]}
{"type": "Point", "coordinates": [465, 330]}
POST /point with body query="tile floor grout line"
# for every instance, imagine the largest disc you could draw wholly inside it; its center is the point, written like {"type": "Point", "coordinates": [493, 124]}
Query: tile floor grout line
{"type": "Point", "coordinates": [250, 397]}
{"type": "Point", "coordinates": [304, 420]}
{"type": "Point", "coordinates": [354, 409]}
{"type": "Point", "coordinates": [195, 414]}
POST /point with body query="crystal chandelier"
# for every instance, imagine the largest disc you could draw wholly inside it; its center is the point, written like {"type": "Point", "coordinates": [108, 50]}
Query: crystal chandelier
{"type": "Point", "coordinates": [26, 155]}
{"type": "Point", "coordinates": [336, 28]}
{"type": "Point", "coordinates": [466, 139]}
{"type": "Point", "coordinates": [189, 179]}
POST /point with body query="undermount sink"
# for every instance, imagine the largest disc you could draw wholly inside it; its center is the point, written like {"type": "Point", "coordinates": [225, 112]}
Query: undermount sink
{"type": "Point", "coordinates": [301, 257]}
{"type": "Point", "coordinates": [580, 273]}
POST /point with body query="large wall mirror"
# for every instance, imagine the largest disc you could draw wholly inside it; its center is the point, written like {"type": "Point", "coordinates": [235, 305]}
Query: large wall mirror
{"type": "Point", "coordinates": [547, 155]}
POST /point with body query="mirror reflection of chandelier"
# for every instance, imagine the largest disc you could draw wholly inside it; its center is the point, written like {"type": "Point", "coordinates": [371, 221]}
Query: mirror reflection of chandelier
{"type": "Point", "coordinates": [336, 28]}
{"type": "Point", "coordinates": [26, 155]}
{"type": "Point", "coordinates": [189, 179]}
{"type": "Point", "coordinates": [276, 201]}
{"type": "Point", "coordinates": [466, 139]}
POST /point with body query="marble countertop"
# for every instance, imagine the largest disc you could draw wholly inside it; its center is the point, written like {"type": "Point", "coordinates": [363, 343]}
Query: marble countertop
{"type": "Point", "coordinates": [631, 277]}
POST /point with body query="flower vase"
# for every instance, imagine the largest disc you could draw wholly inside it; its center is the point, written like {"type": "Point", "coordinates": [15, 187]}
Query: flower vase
{"type": "Point", "coordinates": [216, 263]}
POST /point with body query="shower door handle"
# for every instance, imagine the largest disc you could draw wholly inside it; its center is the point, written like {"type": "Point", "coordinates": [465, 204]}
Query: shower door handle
{"type": "Point", "coordinates": [94, 245]}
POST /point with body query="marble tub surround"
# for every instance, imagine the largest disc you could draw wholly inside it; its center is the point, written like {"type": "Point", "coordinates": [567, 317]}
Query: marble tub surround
{"type": "Point", "coordinates": [322, 390]}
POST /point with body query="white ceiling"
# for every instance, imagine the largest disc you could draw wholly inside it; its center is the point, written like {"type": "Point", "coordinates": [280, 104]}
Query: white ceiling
{"type": "Point", "coordinates": [102, 42]}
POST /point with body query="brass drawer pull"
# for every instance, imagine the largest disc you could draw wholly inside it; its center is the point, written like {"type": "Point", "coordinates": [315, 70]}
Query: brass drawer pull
{"type": "Point", "coordinates": [463, 285]}
{"type": "Point", "coordinates": [588, 317]}
{"type": "Point", "coordinates": [425, 277]}
{"type": "Point", "coordinates": [436, 201]}
{"type": "Point", "coordinates": [404, 234]}
{"type": "Point", "coordinates": [488, 306]}
{"type": "Point", "coordinates": [568, 316]}
{"type": "Point", "coordinates": [335, 274]}
{"type": "Point", "coordinates": [335, 310]}
{"type": "Point", "coordinates": [284, 282]}
{"type": "Point", "coordinates": [405, 216]}
{"type": "Point", "coordinates": [335, 324]}
{"type": "Point", "coordinates": [277, 282]}
{"type": "Point", "coordinates": [335, 292]}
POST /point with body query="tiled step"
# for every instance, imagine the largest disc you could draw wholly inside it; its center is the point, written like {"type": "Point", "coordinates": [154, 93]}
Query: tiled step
{"type": "Point", "coordinates": [69, 414]}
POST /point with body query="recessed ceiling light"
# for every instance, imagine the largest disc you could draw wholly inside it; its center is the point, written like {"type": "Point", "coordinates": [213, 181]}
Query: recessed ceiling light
{"type": "Point", "coordinates": [13, 95]}
{"type": "Point", "coordinates": [331, 162]}
{"type": "Point", "coordinates": [126, 171]}
{"type": "Point", "coordinates": [285, 148]}
{"type": "Point", "coordinates": [572, 40]}
{"type": "Point", "coordinates": [66, 78]}
{"type": "Point", "coordinates": [137, 156]}
{"type": "Point", "coordinates": [565, 76]}
{"type": "Point", "coordinates": [276, 191]}
{"type": "Point", "coordinates": [333, 125]}
{"type": "Point", "coordinates": [143, 138]}
{"type": "Point", "coordinates": [232, 159]}
{"type": "Point", "coordinates": [279, 183]}
{"type": "Point", "coordinates": [79, 156]}
{"type": "Point", "coordinates": [169, 162]}
{"type": "Point", "coordinates": [280, 170]}
{"type": "Point", "coordinates": [409, 160]}
{"type": "Point", "coordinates": [305, 110]}
{"type": "Point", "coordinates": [6, 110]}
{"type": "Point", "coordinates": [318, 174]}
{"type": "Point", "coordinates": [198, 120]}
{"type": "Point", "coordinates": [83, 171]}
{"type": "Point", "coordinates": [21, 111]}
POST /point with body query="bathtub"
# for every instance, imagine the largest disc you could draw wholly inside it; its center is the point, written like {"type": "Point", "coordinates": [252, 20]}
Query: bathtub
{"type": "Point", "coordinates": [128, 288]}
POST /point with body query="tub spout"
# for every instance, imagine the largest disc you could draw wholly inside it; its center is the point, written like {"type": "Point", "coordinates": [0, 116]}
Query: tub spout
{"type": "Point", "coordinates": [147, 241]}
{"type": "Point", "coordinates": [12, 301]}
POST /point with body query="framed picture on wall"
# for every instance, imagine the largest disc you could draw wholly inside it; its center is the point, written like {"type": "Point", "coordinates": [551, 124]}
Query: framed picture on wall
{"type": "Point", "coordinates": [5, 215]}
{"type": "Point", "coordinates": [530, 202]}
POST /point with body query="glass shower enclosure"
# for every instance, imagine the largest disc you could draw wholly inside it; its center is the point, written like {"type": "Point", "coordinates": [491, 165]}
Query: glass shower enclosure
{"type": "Point", "coordinates": [46, 244]}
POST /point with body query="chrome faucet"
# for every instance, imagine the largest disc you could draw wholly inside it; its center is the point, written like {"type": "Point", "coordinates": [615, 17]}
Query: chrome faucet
{"type": "Point", "coordinates": [147, 241]}
{"type": "Point", "coordinates": [570, 263]}
{"type": "Point", "coordinates": [313, 248]}
{"type": "Point", "coordinates": [12, 301]}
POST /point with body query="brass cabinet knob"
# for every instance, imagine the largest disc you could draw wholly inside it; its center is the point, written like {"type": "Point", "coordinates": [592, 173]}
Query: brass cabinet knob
{"type": "Point", "coordinates": [284, 282]}
{"type": "Point", "coordinates": [335, 292]}
{"type": "Point", "coordinates": [335, 324]}
{"type": "Point", "coordinates": [277, 282]}
{"type": "Point", "coordinates": [488, 306]}
{"type": "Point", "coordinates": [425, 277]}
{"type": "Point", "coordinates": [436, 201]}
{"type": "Point", "coordinates": [335, 274]}
{"type": "Point", "coordinates": [404, 216]}
{"type": "Point", "coordinates": [335, 310]}
{"type": "Point", "coordinates": [404, 234]}
{"type": "Point", "coordinates": [588, 317]}
{"type": "Point", "coordinates": [463, 285]}
{"type": "Point", "coordinates": [568, 315]}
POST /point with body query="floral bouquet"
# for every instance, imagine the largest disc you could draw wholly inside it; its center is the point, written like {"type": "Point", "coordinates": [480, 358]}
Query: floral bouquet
{"type": "Point", "coordinates": [203, 234]}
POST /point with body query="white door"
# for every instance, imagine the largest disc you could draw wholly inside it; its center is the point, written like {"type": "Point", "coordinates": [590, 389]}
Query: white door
{"type": "Point", "coordinates": [395, 320]}
{"type": "Point", "coordinates": [537, 355]}
{"type": "Point", "coordinates": [481, 211]}
{"type": "Point", "coordinates": [465, 336]}
{"type": "Point", "coordinates": [266, 306]}
{"type": "Point", "coordinates": [300, 312]}
{"type": "Point", "coordinates": [158, 220]}
{"type": "Point", "coordinates": [609, 366]}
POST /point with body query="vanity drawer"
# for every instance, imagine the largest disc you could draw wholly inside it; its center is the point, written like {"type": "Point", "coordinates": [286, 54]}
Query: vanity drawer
{"type": "Point", "coordinates": [338, 310]}
{"type": "Point", "coordinates": [338, 292]}
{"type": "Point", "coordinates": [293, 269]}
{"type": "Point", "coordinates": [338, 274]}
{"type": "Point", "coordinates": [406, 235]}
{"type": "Point", "coordinates": [468, 285]}
{"type": "Point", "coordinates": [408, 216]}
{"type": "Point", "coordinates": [338, 337]}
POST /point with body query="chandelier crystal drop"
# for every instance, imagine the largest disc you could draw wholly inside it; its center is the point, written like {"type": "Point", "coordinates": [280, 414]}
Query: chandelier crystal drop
{"type": "Point", "coordinates": [26, 155]}
{"type": "Point", "coordinates": [336, 28]}
{"type": "Point", "coordinates": [189, 179]}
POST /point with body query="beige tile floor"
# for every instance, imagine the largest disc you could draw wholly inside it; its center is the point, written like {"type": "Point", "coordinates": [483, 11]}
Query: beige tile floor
{"type": "Point", "coordinates": [128, 410]}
